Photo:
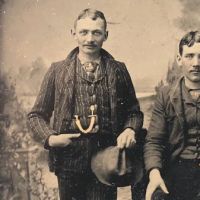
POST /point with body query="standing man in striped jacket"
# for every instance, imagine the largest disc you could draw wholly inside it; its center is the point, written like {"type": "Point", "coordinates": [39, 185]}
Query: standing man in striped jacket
{"type": "Point", "coordinates": [94, 106]}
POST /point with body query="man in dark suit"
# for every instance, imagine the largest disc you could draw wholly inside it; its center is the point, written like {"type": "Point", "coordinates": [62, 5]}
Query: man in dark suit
{"type": "Point", "coordinates": [172, 149]}
{"type": "Point", "coordinates": [94, 105]}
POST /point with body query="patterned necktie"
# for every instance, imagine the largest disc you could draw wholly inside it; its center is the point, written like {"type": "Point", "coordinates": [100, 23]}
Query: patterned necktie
{"type": "Point", "coordinates": [195, 93]}
{"type": "Point", "coordinates": [90, 68]}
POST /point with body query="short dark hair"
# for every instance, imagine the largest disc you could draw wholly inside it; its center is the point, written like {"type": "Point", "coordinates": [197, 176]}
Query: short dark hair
{"type": "Point", "coordinates": [91, 13]}
{"type": "Point", "coordinates": [189, 39]}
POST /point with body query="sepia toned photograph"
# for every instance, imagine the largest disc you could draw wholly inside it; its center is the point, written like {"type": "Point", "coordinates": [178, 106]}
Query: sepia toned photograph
{"type": "Point", "coordinates": [99, 100]}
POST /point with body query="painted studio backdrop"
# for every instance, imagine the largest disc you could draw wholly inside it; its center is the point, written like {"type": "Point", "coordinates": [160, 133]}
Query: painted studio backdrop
{"type": "Point", "coordinates": [35, 33]}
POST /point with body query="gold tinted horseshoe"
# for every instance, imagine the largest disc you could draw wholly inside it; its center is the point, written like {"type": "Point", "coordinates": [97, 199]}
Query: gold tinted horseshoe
{"type": "Point", "coordinates": [92, 121]}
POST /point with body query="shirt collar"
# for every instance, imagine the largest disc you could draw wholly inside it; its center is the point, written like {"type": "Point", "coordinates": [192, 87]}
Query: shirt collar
{"type": "Point", "coordinates": [82, 60]}
{"type": "Point", "coordinates": [99, 73]}
{"type": "Point", "coordinates": [186, 94]}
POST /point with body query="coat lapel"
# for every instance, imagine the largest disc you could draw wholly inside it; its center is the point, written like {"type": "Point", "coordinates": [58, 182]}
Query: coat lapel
{"type": "Point", "coordinates": [67, 86]}
{"type": "Point", "coordinates": [176, 100]}
{"type": "Point", "coordinates": [111, 77]}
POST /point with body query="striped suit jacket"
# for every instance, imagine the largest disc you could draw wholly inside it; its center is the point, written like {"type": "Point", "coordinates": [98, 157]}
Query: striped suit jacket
{"type": "Point", "coordinates": [55, 97]}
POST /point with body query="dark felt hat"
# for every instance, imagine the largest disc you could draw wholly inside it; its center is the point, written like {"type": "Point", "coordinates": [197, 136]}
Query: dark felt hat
{"type": "Point", "coordinates": [116, 167]}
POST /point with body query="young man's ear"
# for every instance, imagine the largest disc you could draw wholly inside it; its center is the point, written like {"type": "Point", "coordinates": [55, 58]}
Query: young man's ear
{"type": "Point", "coordinates": [106, 36]}
{"type": "Point", "coordinates": [179, 59]}
{"type": "Point", "coordinates": [73, 33]}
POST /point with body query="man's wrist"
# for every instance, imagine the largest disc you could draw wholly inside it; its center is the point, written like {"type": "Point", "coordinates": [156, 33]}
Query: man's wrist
{"type": "Point", "coordinates": [130, 129]}
{"type": "Point", "coordinates": [51, 140]}
{"type": "Point", "coordinates": [154, 173]}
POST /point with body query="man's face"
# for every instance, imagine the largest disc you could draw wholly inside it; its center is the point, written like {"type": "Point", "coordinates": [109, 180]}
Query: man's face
{"type": "Point", "coordinates": [190, 62]}
{"type": "Point", "coordinates": [90, 35]}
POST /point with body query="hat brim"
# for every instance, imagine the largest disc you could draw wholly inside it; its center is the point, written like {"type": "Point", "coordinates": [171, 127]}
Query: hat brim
{"type": "Point", "coordinates": [104, 165]}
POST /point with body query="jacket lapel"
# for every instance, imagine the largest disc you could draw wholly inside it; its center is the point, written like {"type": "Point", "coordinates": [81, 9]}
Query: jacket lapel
{"type": "Point", "coordinates": [111, 77]}
{"type": "Point", "coordinates": [67, 86]}
{"type": "Point", "coordinates": [176, 100]}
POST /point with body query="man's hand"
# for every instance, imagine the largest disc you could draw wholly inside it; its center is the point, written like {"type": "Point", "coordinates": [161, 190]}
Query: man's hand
{"type": "Point", "coordinates": [155, 181]}
{"type": "Point", "coordinates": [62, 140]}
{"type": "Point", "coordinates": [126, 139]}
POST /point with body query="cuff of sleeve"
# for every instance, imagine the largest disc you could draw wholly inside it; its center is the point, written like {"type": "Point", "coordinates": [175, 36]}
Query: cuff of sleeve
{"type": "Point", "coordinates": [150, 166]}
{"type": "Point", "coordinates": [46, 141]}
{"type": "Point", "coordinates": [148, 172]}
{"type": "Point", "coordinates": [134, 123]}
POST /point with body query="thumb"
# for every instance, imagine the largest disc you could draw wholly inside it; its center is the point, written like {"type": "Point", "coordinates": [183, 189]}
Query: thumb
{"type": "Point", "coordinates": [149, 191]}
{"type": "Point", "coordinates": [164, 188]}
{"type": "Point", "coordinates": [75, 135]}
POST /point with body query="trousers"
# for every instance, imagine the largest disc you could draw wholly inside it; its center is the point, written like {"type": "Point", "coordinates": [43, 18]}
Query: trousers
{"type": "Point", "coordinates": [182, 181]}
{"type": "Point", "coordinates": [81, 186]}
{"type": "Point", "coordinates": [138, 191]}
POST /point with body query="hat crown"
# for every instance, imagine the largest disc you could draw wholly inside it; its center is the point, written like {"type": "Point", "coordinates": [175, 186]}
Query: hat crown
{"type": "Point", "coordinates": [113, 166]}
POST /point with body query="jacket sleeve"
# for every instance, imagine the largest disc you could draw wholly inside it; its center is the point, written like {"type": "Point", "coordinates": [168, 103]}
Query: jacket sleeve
{"type": "Point", "coordinates": [156, 139]}
{"type": "Point", "coordinates": [134, 116]}
{"type": "Point", "coordinates": [39, 117]}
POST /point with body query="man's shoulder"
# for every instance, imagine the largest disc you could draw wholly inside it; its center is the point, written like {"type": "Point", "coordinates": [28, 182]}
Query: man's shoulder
{"type": "Point", "coordinates": [59, 64]}
{"type": "Point", "coordinates": [166, 92]}
{"type": "Point", "coordinates": [169, 89]}
{"type": "Point", "coordinates": [112, 61]}
{"type": "Point", "coordinates": [117, 64]}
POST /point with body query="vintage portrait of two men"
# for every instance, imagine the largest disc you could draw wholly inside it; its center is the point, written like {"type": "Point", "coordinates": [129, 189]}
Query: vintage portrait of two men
{"type": "Point", "coordinates": [99, 100]}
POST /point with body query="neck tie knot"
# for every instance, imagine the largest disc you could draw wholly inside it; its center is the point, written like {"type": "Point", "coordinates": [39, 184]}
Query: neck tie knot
{"type": "Point", "coordinates": [90, 66]}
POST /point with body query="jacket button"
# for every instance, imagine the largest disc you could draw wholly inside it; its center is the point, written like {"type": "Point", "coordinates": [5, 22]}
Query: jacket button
{"type": "Point", "coordinates": [93, 99]}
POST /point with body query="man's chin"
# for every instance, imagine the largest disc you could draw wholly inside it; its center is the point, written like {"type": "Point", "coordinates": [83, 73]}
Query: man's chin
{"type": "Point", "coordinates": [90, 51]}
{"type": "Point", "coordinates": [195, 79]}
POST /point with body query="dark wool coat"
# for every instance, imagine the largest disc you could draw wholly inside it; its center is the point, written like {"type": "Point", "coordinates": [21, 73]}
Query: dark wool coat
{"type": "Point", "coordinates": [166, 133]}
{"type": "Point", "coordinates": [56, 93]}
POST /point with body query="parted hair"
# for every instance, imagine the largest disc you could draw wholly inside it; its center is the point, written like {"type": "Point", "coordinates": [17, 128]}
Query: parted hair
{"type": "Point", "coordinates": [91, 13]}
{"type": "Point", "coordinates": [189, 39]}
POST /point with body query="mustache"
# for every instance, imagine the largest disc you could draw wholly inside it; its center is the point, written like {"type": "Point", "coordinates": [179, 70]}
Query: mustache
{"type": "Point", "coordinates": [195, 68]}
{"type": "Point", "coordinates": [90, 44]}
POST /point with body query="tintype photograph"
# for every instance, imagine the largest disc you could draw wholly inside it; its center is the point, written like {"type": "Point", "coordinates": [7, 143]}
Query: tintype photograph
{"type": "Point", "coordinates": [99, 100]}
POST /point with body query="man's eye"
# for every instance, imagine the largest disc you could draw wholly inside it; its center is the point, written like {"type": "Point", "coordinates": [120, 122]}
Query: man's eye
{"type": "Point", "coordinates": [97, 33]}
{"type": "Point", "coordinates": [83, 32]}
{"type": "Point", "coordinates": [189, 56]}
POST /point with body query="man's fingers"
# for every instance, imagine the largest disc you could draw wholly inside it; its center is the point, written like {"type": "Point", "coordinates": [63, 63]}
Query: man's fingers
{"type": "Point", "coordinates": [121, 141]}
{"type": "Point", "coordinates": [75, 135]}
{"type": "Point", "coordinates": [130, 142]}
{"type": "Point", "coordinates": [164, 188]}
{"type": "Point", "coordinates": [125, 141]}
{"type": "Point", "coordinates": [150, 190]}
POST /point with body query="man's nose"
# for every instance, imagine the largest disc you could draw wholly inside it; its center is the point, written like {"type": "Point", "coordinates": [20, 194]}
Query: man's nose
{"type": "Point", "coordinates": [90, 37]}
{"type": "Point", "coordinates": [196, 60]}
